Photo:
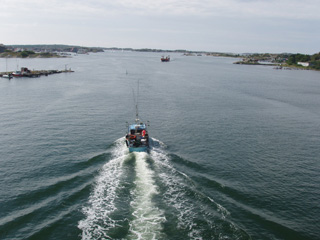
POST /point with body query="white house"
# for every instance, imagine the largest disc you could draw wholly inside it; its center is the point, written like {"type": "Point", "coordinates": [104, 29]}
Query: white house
{"type": "Point", "coordinates": [305, 64]}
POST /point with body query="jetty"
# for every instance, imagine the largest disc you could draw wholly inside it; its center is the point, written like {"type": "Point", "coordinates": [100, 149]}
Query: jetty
{"type": "Point", "coordinates": [25, 72]}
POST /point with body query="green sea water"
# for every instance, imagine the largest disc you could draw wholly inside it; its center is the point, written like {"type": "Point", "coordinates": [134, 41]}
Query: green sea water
{"type": "Point", "coordinates": [235, 150]}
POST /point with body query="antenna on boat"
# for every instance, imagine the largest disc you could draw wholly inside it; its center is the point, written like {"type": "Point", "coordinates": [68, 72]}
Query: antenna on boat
{"type": "Point", "coordinates": [137, 101]}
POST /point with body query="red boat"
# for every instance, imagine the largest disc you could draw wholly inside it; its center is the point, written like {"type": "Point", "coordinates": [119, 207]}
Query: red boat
{"type": "Point", "coordinates": [17, 74]}
{"type": "Point", "coordinates": [25, 72]}
{"type": "Point", "coordinates": [165, 59]}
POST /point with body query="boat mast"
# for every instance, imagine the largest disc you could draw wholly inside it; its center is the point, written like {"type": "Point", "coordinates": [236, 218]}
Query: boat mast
{"type": "Point", "coordinates": [137, 112]}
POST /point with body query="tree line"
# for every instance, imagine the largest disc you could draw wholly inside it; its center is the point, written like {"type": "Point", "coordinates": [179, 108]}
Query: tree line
{"type": "Point", "coordinates": [313, 60]}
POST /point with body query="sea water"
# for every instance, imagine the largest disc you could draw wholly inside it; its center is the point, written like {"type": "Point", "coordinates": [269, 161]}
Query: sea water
{"type": "Point", "coordinates": [235, 150]}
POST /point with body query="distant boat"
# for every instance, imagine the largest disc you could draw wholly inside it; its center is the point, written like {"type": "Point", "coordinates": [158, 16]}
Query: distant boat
{"type": "Point", "coordinates": [17, 74]}
{"type": "Point", "coordinates": [25, 72]}
{"type": "Point", "coordinates": [165, 59]}
{"type": "Point", "coordinates": [137, 137]}
{"type": "Point", "coordinates": [9, 76]}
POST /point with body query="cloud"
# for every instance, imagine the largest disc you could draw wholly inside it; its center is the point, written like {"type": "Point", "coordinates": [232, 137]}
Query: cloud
{"type": "Point", "coordinates": [307, 9]}
{"type": "Point", "coordinates": [195, 23]}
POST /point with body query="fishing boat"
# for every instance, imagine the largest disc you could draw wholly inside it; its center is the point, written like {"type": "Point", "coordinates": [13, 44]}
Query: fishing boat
{"type": "Point", "coordinates": [17, 74]}
{"type": "Point", "coordinates": [165, 59]}
{"type": "Point", "coordinates": [25, 72]}
{"type": "Point", "coordinates": [137, 137]}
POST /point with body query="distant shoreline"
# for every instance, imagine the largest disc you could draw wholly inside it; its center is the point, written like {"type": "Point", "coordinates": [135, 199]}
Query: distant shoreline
{"type": "Point", "coordinates": [277, 66]}
{"type": "Point", "coordinates": [56, 48]}
{"type": "Point", "coordinates": [279, 61]}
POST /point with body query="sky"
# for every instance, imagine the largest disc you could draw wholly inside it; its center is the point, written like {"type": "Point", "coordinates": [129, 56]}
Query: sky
{"type": "Point", "coordinates": [235, 26]}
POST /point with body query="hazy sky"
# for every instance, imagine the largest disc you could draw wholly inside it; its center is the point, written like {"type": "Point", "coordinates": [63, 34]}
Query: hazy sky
{"type": "Point", "coordinates": [210, 25]}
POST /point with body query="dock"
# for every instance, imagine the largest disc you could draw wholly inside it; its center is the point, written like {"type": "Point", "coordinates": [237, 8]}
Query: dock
{"type": "Point", "coordinates": [25, 72]}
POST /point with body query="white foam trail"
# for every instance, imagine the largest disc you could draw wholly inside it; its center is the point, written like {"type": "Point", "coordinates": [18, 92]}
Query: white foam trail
{"type": "Point", "coordinates": [148, 219]}
{"type": "Point", "coordinates": [101, 201]}
{"type": "Point", "coordinates": [176, 196]}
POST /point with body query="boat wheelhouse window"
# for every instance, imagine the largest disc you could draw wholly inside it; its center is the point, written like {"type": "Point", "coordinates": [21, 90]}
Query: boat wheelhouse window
{"type": "Point", "coordinates": [132, 131]}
